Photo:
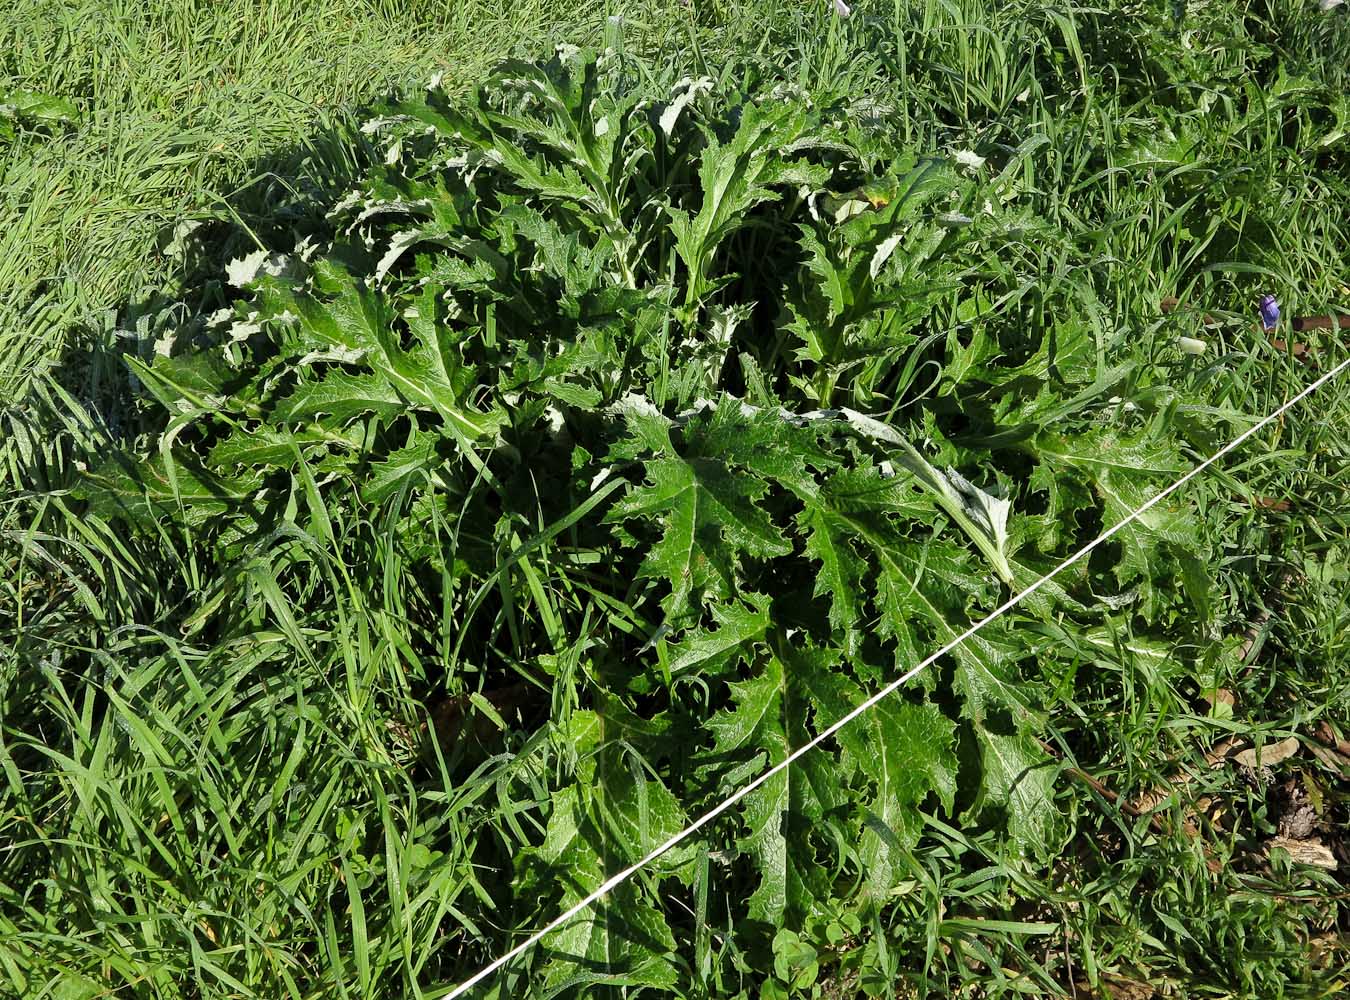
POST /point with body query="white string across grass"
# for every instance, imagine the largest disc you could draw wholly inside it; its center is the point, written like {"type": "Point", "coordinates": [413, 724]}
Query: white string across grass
{"type": "Point", "coordinates": [622, 876]}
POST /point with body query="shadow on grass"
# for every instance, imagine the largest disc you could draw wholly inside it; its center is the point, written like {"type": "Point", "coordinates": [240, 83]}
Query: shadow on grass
{"type": "Point", "coordinates": [285, 199]}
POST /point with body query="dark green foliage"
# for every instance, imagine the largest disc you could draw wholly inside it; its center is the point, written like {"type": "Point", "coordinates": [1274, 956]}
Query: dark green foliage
{"type": "Point", "coordinates": [556, 283]}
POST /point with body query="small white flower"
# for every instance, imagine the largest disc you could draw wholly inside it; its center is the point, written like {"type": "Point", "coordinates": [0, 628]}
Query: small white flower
{"type": "Point", "coordinates": [842, 10]}
{"type": "Point", "coordinates": [1190, 345]}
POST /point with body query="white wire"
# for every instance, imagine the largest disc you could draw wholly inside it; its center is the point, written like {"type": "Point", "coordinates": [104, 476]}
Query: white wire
{"type": "Point", "coordinates": [622, 876]}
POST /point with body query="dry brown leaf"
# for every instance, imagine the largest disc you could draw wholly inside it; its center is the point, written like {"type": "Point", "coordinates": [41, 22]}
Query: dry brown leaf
{"type": "Point", "coordinates": [1222, 751]}
{"type": "Point", "coordinates": [1215, 810]}
{"type": "Point", "coordinates": [1325, 735]}
{"type": "Point", "coordinates": [1324, 948]}
{"type": "Point", "coordinates": [1269, 755]}
{"type": "Point", "coordinates": [1305, 852]}
{"type": "Point", "coordinates": [1334, 762]}
{"type": "Point", "coordinates": [1219, 703]}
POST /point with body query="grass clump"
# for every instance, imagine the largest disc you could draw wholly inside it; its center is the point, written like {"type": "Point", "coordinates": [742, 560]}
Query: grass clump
{"type": "Point", "coordinates": [173, 113]}
{"type": "Point", "coordinates": [621, 427]}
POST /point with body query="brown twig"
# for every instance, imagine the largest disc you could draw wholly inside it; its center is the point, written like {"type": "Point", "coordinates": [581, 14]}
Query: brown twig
{"type": "Point", "coordinates": [1266, 503]}
{"type": "Point", "coordinates": [1171, 303]}
{"type": "Point", "coordinates": [1154, 820]}
{"type": "Point", "coordinates": [1298, 349]}
{"type": "Point", "coordinates": [1301, 323]}
{"type": "Point", "coordinates": [1150, 800]}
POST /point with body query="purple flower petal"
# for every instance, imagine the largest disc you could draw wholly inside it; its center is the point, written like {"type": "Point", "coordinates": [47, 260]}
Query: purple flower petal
{"type": "Point", "coordinates": [1270, 312]}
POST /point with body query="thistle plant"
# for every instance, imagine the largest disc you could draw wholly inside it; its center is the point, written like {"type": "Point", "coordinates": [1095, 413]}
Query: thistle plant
{"type": "Point", "coordinates": [689, 416]}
